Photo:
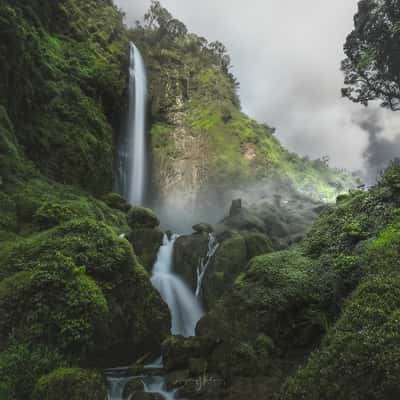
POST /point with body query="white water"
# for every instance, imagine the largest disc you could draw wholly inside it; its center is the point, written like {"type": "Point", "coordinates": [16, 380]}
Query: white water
{"type": "Point", "coordinates": [132, 151]}
{"type": "Point", "coordinates": [117, 381]}
{"type": "Point", "coordinates": [184, 306]}
{"type": "Point", "coordinates": [156, 384]}
{"type": "Point", "coordinates": [205, 261]}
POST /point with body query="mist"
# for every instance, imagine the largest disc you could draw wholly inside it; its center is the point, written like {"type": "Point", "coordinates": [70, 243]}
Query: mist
{"type": "Point", "coordinates": [286, 56]}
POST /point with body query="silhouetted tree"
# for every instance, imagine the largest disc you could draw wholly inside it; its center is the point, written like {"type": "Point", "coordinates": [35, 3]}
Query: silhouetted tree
{"type": "Point", "coordinates": [372, 64]}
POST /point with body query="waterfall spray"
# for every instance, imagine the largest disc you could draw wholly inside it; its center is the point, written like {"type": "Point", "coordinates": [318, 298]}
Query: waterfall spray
{"type": "Point", "coordinates": [132, 151]}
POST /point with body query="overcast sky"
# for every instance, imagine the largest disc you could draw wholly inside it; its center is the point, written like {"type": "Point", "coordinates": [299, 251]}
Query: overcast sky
{"type": "Point", "coordinates": [286, 55]}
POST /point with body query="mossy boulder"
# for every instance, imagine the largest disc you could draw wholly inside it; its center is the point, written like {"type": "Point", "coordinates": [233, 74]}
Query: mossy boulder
{"type": "Point", "coordinates": [228, 262]}
{"type": "Point", "coordinates": [359, 358]}
{"type": "Point", "coordinates": [203, 227]}
{"type": "Point", "coordinates": [22, 364]}
{"type": "Point", "coordinates": [140, 217]}
{"type": "Point", "coordinates": [137, 321]}
{"type": "Point", "coordinates": [189, 249]}
{"type": "Point", "coordinates": [116, 201]}
{"type": "Point", "coordinates": [71, 384]}
{"type": "Point", "coordinates": [177, 351]}
{"type": "Point", "coordinates": [257, 244]}
{"type": "Point", "coordinates": [54, 303]}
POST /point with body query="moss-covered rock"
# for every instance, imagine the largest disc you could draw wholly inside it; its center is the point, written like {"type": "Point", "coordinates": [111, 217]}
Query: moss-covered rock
{"type": "Point", "coordinates": [116, 201]}
{"type": "Point", "coordinates": [359, 358]}
{"type": "Point", "coordinates": [146, 243]}
{"type": "Point", "coordinates": [140, 217]}
{"type": "Point", "coordinates": [189, 250]}
{"type": "Point", "coordinates": [138, 320]}
{"type": "Point", "coordinates": [71, 384]}
{"type": "Point", "coordinates": [19, 358]}
{"type": "Point", "coordinates": [257, 244]}
{"type": "Point", "coordinates": [228, 262]}
{"type": "Point", "coordinates": [177, 351]}
{"type": "Point", "coordinates": [53, 303]}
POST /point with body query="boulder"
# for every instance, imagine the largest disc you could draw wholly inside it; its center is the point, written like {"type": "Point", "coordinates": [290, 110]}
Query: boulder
{"type": "Point", "coordinates": [134, 388]}
{"type": "Point", "coordinates": [229, 260]}
{"type": "Point", "coordinates": [189, 250]}
{"type": "Point", "coordinates": [177, 351]}
{"type": "Point", "coordinates": [141, 217]}
{"type": "Point", "coordinates": [146, 242]}
{"type": "Point", "coordinates": [203, 227]}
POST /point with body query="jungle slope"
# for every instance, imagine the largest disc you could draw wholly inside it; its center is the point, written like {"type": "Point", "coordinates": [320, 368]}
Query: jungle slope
{"type": "Point", "coordinates": [318, 321]}
{"type": "Point", "coordinates": [73, 295]}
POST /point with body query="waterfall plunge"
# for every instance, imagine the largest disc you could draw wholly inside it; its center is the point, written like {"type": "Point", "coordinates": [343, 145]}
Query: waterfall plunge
{"type": "Point", "coordinates": [132, 151]}
{"type": "Point", "coordinates": [185, 308]}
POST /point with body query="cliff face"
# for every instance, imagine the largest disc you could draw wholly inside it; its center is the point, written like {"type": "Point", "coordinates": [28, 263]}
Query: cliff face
{"type": "Point", "coordinates": [204, 148]}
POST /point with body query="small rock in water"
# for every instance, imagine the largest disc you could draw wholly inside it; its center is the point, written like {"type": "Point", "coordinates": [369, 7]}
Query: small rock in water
{"type": "Point", "coordinates": [133, 387]}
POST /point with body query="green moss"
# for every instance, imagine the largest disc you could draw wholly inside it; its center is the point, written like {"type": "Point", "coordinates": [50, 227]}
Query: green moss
{"type": "Point", "coordinates": [54, 303]}
{"type": "Point", "coordinates": [137, 314]}
{"type": "Point", "coordinates": [140, 217]}
{"type": "Point", "coordinates": [21, 365]}
{"type": "Point", "coordinates": [358, 359]}
{"type": "Point", "coordinates": [71, 384]}
{"type": "Point", "coordinates": [63, 85]}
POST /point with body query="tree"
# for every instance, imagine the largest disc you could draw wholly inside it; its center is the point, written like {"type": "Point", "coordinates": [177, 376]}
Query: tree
{"type": "Point", "coordinates": [159, 18]}
{"type": "Point", "coordinates": [372, 64]}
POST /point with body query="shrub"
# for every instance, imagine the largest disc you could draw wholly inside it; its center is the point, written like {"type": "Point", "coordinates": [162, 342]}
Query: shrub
{"type": "Point", "coordinates": [71, 384]}
{"type": "Point", "coordinates": [140, 217]}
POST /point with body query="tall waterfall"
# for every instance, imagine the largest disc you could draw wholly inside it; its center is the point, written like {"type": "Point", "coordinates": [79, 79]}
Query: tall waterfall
{"type": "Point", "coordinates": [132, 151]}
{"type": "Point", "coordinates": [184, 306]}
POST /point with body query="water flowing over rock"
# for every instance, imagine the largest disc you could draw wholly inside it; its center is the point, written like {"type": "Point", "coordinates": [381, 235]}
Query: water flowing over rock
{"type": "Point", "coordinates": [185, 308]}
{"type": "Point", "coordinates": [205, 261]}
{"type": "Point", "coordinates": [132, 149]}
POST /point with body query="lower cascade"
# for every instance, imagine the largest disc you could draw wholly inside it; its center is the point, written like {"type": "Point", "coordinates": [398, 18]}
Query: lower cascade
{"type": "Point", "coordinates": [185, 309]}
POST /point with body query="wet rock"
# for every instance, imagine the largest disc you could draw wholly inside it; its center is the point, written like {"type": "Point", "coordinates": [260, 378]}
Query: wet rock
{"type": "Point", "coordinates": [133, 388]}
{"type": "Point", "coordinates": [204, 387]}
{"type": "Point", "coordinates": [178, 350]}
{"type": "Point", "coordinates": [229, 260]}
{"type": "Point", "coordinates": [187, 254]}
{"type": "Point", "coordinates": [146, 242]}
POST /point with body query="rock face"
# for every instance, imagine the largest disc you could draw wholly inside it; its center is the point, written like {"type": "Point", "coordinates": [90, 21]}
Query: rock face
{"type": "Point", "coordinates": [203, 146]}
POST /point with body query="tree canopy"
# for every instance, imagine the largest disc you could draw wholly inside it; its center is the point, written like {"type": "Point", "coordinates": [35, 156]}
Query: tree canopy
{"type": "Point", "coordinates": [372, 64]}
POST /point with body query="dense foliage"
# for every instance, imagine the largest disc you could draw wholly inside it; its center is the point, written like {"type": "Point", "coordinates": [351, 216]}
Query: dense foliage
{"type": "Point", "coordinates": [328, 307]}
{"type": "Point", "coordinates": [372, 66]}
{"type": "Point", "coordinates": [72, 292]}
